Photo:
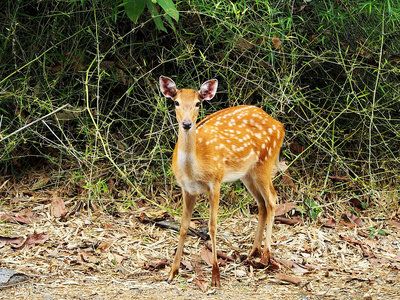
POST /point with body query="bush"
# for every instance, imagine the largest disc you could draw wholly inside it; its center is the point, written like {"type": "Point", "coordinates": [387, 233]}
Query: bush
{"type": "Point", "coordinates": [327, 70]}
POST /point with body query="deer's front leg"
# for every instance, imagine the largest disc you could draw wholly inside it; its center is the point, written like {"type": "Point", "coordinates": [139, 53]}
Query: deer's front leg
{"type": "Point", "coordinates": [188, 204]}
{"type": "Point", "coordinates": [214, 202]}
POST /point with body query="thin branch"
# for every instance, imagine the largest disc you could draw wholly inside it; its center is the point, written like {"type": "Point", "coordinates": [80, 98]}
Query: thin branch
{"type": "Point", "coordinates": [34, 122]}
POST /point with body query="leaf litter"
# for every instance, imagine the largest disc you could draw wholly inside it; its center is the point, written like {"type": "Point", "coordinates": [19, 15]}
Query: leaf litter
{"type": "Point", "coordinates": [73, 254]}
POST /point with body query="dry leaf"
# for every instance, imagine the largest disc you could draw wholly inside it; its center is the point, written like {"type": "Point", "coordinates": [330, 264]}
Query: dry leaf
{"type": "Point", "coordinates": [394, 223]}
{"type": "Point", "coordinates": [6, 218]}
{"type": "Point", "coordinates": [286, 263]}
{"type": "Point", "coordinates": [331, 223]}
{"type": "Point", "coordinates": [10, 240]}
{"type": "Point", "coordinates": [347, 224]}
{"type": "Point", "coordinates": [378, 261]}
{"type": "Point", "coordinates": [156, 265]}
{"type": "Point", "coordinates": [57, 207]}
{"type": "Point", "coordinates": [339, 179]}
{"type": "Point", "coordinates": [354, 218]}
{"type": "Point", "coordinates": [115, 258]}
{"type": "Point", "coordinates": [187, 265]}
{"type": "Point", "coordinates": [31, 240]}
{"type": "Point", "coordinates": [299, 269]}
{"type": "Point", "coordinates": [202, 284]}
{"type": "Point", "coordinates": [367, 252]}
{"type": "Point", "coordinates": [293, 221]}
{"type": "Point", "coordinates": [207, 256]}
{"type": "Point", "coordinates": [221, 254]}
{"type": "Point", "coordinates": [282, 209]}
{"type": "Point", "coordinates": [88, 257]}
{"type": "Point", "coordinates": [276, 41]}
{"type": "Point", "coordinates": [103, 247]}
{"type": "Point", "coordinates": [288, 278]}
{"type": "Point", "coordinates": [23, 217]}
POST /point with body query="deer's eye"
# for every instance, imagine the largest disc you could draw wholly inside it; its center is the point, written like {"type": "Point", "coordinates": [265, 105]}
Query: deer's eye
{"type": "Point", "coordinates": [176, 103]}
{"type": "Point", "coordinates": [197, 104]}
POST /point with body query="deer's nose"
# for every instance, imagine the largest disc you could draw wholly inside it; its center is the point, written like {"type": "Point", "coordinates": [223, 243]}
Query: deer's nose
{"type": "Point", "coordinates": [187, 125]}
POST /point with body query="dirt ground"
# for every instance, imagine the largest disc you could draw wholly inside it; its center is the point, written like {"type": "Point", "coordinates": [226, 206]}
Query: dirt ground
{"type": "Point", "coordinates": [100, 256]}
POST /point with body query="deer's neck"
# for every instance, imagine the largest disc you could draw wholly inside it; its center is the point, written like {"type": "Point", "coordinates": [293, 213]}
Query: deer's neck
{"type": "Point", "coordinates": [186, 154]}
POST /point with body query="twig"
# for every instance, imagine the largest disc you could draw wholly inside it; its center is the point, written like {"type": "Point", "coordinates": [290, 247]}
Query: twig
{"type": "Point", "coordinates": [34, 122]}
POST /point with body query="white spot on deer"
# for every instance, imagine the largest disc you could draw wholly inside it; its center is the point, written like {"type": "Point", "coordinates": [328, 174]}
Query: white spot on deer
{"type": "Point", "coordinates": [274, 144]}
{"type": "Point", "coordinates": [199, 140]}
{"type": "Point", "coordinates": [270, 130]}
{"type": "Point", "coordinates": [257, 135]}
{"type": "Point", "coordinates": [263, 146]}
{"type": "Point", "coordinates": [273, 126]}
{"type": "Point", "coordinates": [278, 134]}
{"type": "Point", "coordinates": [269, 151]}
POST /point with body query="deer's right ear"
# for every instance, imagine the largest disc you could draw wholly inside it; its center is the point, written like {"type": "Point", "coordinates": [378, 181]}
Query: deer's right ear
{"type": "Point", "coordinates": [167, 87]}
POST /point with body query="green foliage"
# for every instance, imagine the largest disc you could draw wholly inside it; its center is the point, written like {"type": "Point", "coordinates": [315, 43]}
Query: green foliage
{"type": "Point", "coordinates": [134, 8]}
{"type": "Point", "coordinates": [329, 70]}
{"type": "Point", "coordinates": [310, 209]}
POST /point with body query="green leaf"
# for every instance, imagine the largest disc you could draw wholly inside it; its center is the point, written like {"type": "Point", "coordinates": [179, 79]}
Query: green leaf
{"type": "Point", "coordinates": [134, 8]}
{"type": "Point", "coordinates": [156, 15]}
{"type": "Point", "coordinates": [169, 8]}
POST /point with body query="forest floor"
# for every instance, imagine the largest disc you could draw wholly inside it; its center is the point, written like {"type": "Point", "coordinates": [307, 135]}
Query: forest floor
{"type": "Point", "coordinates": [64, 253]}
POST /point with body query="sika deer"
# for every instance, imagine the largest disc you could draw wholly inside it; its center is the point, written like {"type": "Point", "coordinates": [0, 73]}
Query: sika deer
{"type": "Point", "coordinates": [240, 142]}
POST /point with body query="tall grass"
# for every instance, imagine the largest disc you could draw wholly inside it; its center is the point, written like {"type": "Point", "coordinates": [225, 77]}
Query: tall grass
{"type": "Point", "coordinates": [328, 70]}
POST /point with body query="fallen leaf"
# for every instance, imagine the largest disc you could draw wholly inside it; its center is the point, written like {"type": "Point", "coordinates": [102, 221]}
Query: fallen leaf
{"type": "Point", "coordinates": [339, 179]}
{"type": "Point", "coordinates": [220, 254]}
{"type": "Point", "coordinates": [207, 256]}
{"type": "Point", "coordinates": [286, 179]}
{"type": "Point", "coordinates": [187, 265]}
{"type": "Point", "coordinates": [285, 262]}
{"type": "Point", "coordinates": [88, 257]}
{"type": "Point", "coordinates": [57, 207]}
{"type": "Point", "coordinates": [288, 278]}
{"type": "Point", "coordinates": [367, 252]}
{"type": "Point", "coordinates": [292, 221]}
{"type": "Point", "coordinates": [115, 258]}
{"type": "Point", "coordinates": [378, 261]}
{"type": "Point", "coordinates": [296, 147]}
{"type": "Point", "coordinates": [10, 240]}
{"type": "Point", "coordinates": [276, 41]}
{"type": "Point", "coordinates": [202, 284]}
{"type": "Point", "coordinates": [6, 218]}
{"type": "Point", "coordinates": [299, 269]}
{"type": "Point", "coordinates": [197, 269]}
{"type": "Point", "coordinates": [155, 266]}
{"type": "Point", "coordinates": [32, 240]}
{"type": "Point", "coordinates": [357, 203]}
{"type": "Point", "coordinates": [352, 217]}
{"type": "Point", "coordinates": [394, 223]}
{"type": "Point", "coordinates": [347, 224]}
{"type": "Point", "coordinates": [103, 247]}
{"type": "Point", "coordinates": [283, 208]}
{"type": "Point", "coordinates": [331, 223]}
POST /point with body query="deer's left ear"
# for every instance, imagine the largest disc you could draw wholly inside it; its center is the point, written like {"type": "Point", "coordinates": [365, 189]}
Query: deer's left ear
{"type": "Point", "coordinates": [167, 87]}
{"type": "Point", "coordinates": [208, 89]}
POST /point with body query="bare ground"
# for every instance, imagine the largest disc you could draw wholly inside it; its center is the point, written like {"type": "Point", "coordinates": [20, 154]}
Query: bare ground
{"type": "Point", "coordinates": [103, 257]}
